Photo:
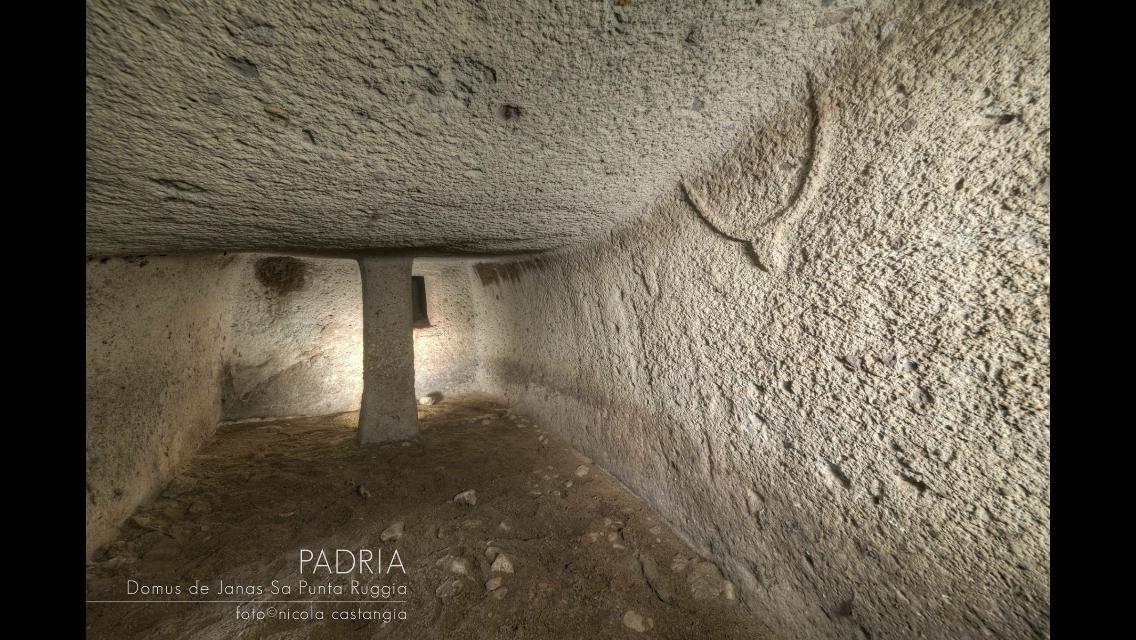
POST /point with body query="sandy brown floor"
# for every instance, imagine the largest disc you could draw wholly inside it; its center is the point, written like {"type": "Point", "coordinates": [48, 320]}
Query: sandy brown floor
{"type": "Point", "coordinates": [588, 558]}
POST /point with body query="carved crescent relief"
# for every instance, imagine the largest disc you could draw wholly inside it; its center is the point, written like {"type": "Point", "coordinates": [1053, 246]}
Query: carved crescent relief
{"type": "Point", "coordinates": [759, 191]}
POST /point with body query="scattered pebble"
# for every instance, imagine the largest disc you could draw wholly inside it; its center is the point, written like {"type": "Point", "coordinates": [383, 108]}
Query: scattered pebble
{"type": "Point", "coordinates": [363, 492]}
{"type": "Point", "coordinates": [459, 566]}
{"type": "Point", "coordinates": [500, 593]}
{"type": "Point", "coordinates": [502, 564]}
{"type": "Point", "coordinates": [636, 622]}
{"type": "Point", "coordinates": [494, 583]}
{"type": "Point", "coordinates": [426, 400]}
{"type": "Point", "coordinates": [582, 471]}
{"type": "Point", "coordinates": [466, 497]}
{"type": "Point", "coordinates": [393, 532]}
{"type": "Point", "coordinates": [448, 588]}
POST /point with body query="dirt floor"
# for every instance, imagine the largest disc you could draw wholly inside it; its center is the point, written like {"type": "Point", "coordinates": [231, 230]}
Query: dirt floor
{"type": "Point", "coordinates": [549, 546]}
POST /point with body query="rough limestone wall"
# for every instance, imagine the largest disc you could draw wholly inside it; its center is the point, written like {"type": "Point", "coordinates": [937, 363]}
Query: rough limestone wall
{"type": "Point", "coordinates": [153, 377]}
{"type": "Point", "coordinates": [295, 337]}
{"type": "Point", "coordinates": [445, 353]}
{"type": "Point", "coordinates": [825, 360]}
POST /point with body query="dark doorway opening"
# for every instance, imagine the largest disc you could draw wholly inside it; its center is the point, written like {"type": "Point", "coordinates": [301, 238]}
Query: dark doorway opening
{"type": "Point", "coordinates": [418, 299]}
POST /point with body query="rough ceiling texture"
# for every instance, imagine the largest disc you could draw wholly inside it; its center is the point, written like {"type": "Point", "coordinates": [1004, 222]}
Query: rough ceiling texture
{"type": "Point", "coordinates": [449, 126]}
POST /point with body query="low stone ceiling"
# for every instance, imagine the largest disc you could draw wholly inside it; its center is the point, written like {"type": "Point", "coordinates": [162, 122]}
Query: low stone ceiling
{"type": "Point", "coordinates": [449, 126]}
